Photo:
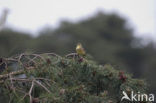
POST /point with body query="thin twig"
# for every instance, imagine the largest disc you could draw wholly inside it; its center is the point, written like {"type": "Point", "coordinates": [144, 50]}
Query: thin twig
{"type": "Point", "coordinates": [15, 73]}
{"type": "Point", "coordinates": [30, 91]}
{"type": "Point", "coordinates": [42, 86]}
{"type": "Point", "coordinates": [71, 55]}
{"type": "Point", "coordinates": [12, 85]}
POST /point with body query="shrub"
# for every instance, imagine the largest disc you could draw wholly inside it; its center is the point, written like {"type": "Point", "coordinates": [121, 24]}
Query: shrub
{"type": "Point", "coordinates": [50, 78]}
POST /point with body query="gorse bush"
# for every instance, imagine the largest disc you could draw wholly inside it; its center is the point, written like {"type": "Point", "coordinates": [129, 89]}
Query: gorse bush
{"type": "Point", "coordinates": [50, 78]}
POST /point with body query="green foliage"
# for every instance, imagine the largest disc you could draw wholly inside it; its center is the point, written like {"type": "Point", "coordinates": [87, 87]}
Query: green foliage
{"type": "Point", "coordinates": [69, 79]}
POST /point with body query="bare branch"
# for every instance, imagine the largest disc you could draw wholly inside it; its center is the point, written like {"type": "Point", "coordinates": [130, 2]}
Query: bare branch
{"type": "Point", "coordinates": [30, 91]}
{"type": "Point", "coordinates": [42, 86]}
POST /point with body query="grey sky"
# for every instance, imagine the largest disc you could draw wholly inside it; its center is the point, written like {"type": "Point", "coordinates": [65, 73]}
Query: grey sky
{"type": "Point", "coordinates": [31, 15]}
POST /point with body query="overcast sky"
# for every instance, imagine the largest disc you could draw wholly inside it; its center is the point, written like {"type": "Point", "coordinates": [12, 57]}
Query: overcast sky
{"type": "Point", "coordinates": [32, 15]}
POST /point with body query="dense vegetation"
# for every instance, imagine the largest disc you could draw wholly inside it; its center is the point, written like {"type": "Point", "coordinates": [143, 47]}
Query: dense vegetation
{"type": "Point", "coordinates": [50, 78]}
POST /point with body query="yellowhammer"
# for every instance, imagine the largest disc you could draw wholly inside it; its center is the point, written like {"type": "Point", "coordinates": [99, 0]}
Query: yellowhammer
{"type": "Point", "coordinates": [80, 50]}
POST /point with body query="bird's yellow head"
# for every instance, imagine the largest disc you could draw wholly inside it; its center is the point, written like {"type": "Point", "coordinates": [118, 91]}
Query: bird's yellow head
{"type": "Point", "coordinates": [79, 45]}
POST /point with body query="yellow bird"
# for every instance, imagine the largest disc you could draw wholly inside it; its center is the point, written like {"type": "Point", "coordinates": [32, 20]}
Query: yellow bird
{"type": "Point", "coordinates": [80, 50]}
